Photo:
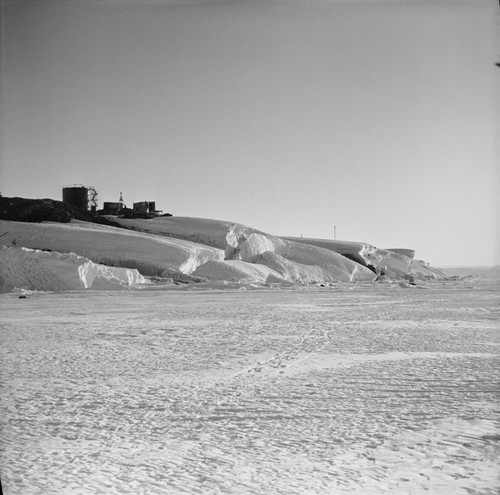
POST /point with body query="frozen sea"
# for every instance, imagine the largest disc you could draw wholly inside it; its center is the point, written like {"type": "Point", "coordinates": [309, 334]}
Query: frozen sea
{"type": "Point", "coordinates": [367, 389]}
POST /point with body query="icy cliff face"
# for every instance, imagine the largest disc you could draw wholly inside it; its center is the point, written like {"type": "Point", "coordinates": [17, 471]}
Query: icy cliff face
{"type": "Point", "coordinates": [31, 269]}
{"type": "Point", "coordinates": [387, 262]}
{"type": "Point", "coordinates": [290, 262]}
{"type": "Point", "coordinates": [152, 255]}
{"type": "Point", "coordinates": [238, 272]}
{"type": "Point", "coordinates": [396, 265]}
{"type": "Point", "coordinates": [308, 264]}
{"type": "Point", "coordinates": [244, 243]}
{"type": "Point", "coordinates": [238, 241]}
{"type": "Point", "coordinates": [356, 251]}
{"type": "Point", "coordinates": [222, 251]}
{"type": "Point", "coordinates": [96, 276]}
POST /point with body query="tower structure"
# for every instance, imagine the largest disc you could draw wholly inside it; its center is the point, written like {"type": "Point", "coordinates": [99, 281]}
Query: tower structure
{"type": "Point", "coordinates": [76, 195]}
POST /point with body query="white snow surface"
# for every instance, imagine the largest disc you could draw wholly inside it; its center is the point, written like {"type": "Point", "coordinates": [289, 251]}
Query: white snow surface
{"type": "Point", "coordinates": [32, 269]}
{"type": "Point", "coordinates": [150, 254]}
{"type": "Point", "coordinates": [385, 261]}
{"type": "Point", "coordinates": [240, 272]}
{"type": "Point", "coordinates": [199, 230]}
{"type": "Point", "coordinates": [290, 261]}
{"type": "Point", "coordinates": [366, 389]}
{"type": "Point", "coordinates": [214, 251]}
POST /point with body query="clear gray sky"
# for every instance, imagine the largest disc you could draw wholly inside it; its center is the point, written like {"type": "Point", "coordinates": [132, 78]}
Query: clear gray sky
{"type": "Point", "coordinates": [291, 116]}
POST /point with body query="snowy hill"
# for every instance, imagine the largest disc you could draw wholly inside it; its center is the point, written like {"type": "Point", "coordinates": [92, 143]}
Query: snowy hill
{"type": "Point", "coordinates": [383, 261]}
{"type": "Point", "coordinates": [243, 255]}
{"type": "Point", "coordinates": [151, 255]}
{"type": "Point", "coordinates": [182, 249]}
{"type": "Point", "coordinates": [289, 261]}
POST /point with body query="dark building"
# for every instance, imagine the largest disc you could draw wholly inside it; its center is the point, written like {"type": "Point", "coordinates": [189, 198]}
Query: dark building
{"type": "Point", "coordinates": [112, 208]}
{"type": "Point", "coordinates": [145, 207]}
{"type": "Point", "coordinates": [80, 196]}
{"type": "Point", "coordinates": [76, 196]}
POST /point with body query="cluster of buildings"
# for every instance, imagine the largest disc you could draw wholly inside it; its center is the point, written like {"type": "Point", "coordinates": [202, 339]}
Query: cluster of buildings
{"type": "Point", "coordinates": [85, 198]}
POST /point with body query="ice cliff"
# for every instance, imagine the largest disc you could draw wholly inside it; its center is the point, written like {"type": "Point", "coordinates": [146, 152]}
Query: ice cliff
{"type": "Point", "coordinates": [199, 249]}
{"type": "Point", "coordinates": [391, 263]}
{"type": "Point", "coordinates": [32, 269]}
{"type": "Point", "coordinates": [239, 272]}
{"type": "Point", "coordinates": [152, 255]}
{"type": "Point", "coordinates": [288, 261]}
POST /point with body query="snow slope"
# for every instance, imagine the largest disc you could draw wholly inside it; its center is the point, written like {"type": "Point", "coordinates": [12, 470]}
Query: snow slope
{"type": "Point", "coordinates": [206, 250]}
{"type": "Point", "coordinates": [239, 272]}
{"type": "Point", "coordinates": [384, 261]}
{"type": "Point", "coordinates": [289, 261]}
{"type": "Point", "coordinates": [357, 251]}
{"type": "Point", "coordinates": [150, 254]}
{"type": "Point", "coordinates": [31, 269]}
{"type": "Point", "coordinates": [200, 230]}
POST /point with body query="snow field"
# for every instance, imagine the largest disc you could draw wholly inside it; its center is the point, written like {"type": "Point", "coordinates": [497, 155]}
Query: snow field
{"type": "Point", "coordinates": [345, 390]}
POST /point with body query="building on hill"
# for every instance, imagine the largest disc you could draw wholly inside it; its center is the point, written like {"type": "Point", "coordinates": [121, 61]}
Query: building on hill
{"type": "Point", "coordinates": [111, 208]}
{"type": "Point", "coordinates": [146, 207]}
{"type": "Point", "coordinates": [80, 196]}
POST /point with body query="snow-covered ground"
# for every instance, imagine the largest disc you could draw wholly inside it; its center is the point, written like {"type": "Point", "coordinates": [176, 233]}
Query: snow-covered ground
{"type": "Point", "coordinates": [366, 389]}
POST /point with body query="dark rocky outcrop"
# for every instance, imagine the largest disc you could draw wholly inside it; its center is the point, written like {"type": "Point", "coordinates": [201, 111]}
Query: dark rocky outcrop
{"type": "Point", "coordinates": [46, 210]}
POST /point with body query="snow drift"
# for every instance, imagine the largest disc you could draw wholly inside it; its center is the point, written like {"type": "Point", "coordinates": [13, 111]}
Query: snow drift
{"type": "Point", "coordinates": [150, 254]}
{"type": "Point", "coordinates": [204, 231]}
{"type": "Point", "coordinates": [239, 272]}
{"type": "Point", "coordinates": [321, 267]}
{"type": "Point", "coordinates": [289, 261]}
{"type": "Point", "coordinates": [193, 249]}
{"type": "Point", "coordinates": [31, 269]}
{"type": "Point", "coordinates": [382, 261]}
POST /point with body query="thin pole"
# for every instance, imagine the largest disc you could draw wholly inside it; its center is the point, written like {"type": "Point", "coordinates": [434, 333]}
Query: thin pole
{"type": "Point", "coordinates": [334, 232]}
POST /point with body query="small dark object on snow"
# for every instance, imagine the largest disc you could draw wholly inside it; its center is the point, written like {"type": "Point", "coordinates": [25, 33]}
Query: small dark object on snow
{"type": "Point", "coordinates": [22, 296]}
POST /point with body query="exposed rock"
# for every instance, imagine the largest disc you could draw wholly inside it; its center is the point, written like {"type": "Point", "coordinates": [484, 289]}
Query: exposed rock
{"type": "Point", "coordinates": [46, 210]}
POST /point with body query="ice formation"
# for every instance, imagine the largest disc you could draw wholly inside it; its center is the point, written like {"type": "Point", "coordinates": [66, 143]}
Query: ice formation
{"type": "Point", "coordinates": [152, 255]}
{"type": "Point", "coordinates": [290, 261]}
{"type": "Point", "coordinates": [32, 269]}
{"type": "Point", "coordinates": [297, 263]}
{"type": "Point", "coordinates": [210, 250]}
{"type": "Point", "coordinates": [243, 243]}
{"type": "Point", "coordinates": [238, 272]}
{"type": "Point", "coordinates": [383, 261]}
{"type": "Point", "coordinates": [204, 231]}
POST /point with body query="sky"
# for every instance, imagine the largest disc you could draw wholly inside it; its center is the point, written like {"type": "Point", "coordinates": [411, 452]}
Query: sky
{"type": "Point", "coordinates": [376, 119]}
